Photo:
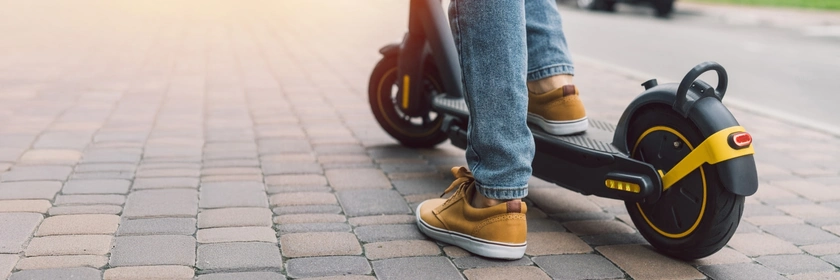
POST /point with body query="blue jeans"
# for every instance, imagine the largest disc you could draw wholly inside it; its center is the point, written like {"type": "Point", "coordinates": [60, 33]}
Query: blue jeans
{"type": "Point", "coordinates": [502, 45]}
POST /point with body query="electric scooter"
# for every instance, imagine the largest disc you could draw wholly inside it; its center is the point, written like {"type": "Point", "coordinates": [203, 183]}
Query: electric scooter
{"type": "Point", "coordinates": [677, 157]}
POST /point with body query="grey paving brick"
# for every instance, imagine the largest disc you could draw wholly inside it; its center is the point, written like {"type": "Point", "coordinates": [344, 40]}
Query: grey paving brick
{"type": "Point", "coordinates": [367, 178]}
{"type": "Point", "coordinates": [232, 196]}
{"type": "Point", "coordinates": [597, 227]}
{"type": "Point", "coordinates": [261, 275]}
{"type": "Point", "coordinates": [80, 273]}
{"type": "Point", "coordinates": [79, 224]}
{"type": "Point", "coordinates": [421, 185]}
{"type": "Point", "coordinates": [313, 227]}
{"type": "Point", "coordinates": [316, 244]}
{"type": "Point", "coordinates": [309, 218]}
{"type": "Point", "coordinates": [69, 245]}
{"type": "Point", "coordinates": [173, 272]}
{"type": "Point", "coordinates": [111, 156]}
{"type": "Point", "coordinates": [801, 234]}
{"type": "Point", "coordinates": [478, 262]}
{"type": "Point", "coordinates": [161, 226]}
{"type": "Point", "coordinates": [236, 234]}
{"type": "Point", "coordinates": [611, 238]}
{"type": "Point", "coordinates": [302, 198]}
{"type": "Point", "coordinates": [280, 168]}
{"type": "Point", "coordinates": [307, 209]}
{"type": "Point", "coordinates": [401, 248]}
{"type": "Point", "coordinates": [108, 199]}
{"type": "Point", "coordinates": [327, 266]}
{"type": "Point", "coordinates": [382, 220]}
{"type": "Point", "coordinates": [165, 183]}
{"type": "Point", "coordinates": [288, 189]}
{"type": "Point", "coordinates": [37, 173]}
{"type": "Point", "coordinates": [234, 217]}
{"type": "Point", "coordinates": [232, 178]}
{"type": "Point", "coordinates": [161, 203]}
{"type": "Point", "coordinates": [33, 206]}
{"type": "Point", "coordinates": [372, 202]}
{"type": "Point", "coordinates": [416, 268]}
{"type": "Point", "coordinates": [555, 243]}
{"type": "Point", "coordinates": [153, 250]}
{"type": "Point", "coordinates": [51, 156]}
{"type": "Point", "coordinates": [113, 186]}
{"type": "Point", "coordinates": [587, 266]}
{"type": "Point", "coordinates": [7, 263]}
{"type": "Point", "coordinates": [106, 175]}
{"type": "Point", "coordinates": [379, 233]}
{"type": "Point", "coordinates": [46, 262]}
{"type": "Point", "coordinates": [794, 264]}
{"type": "Point", "coordinates": [231, 163]}
{"type": "Point", "coordinates": [104, 167]}
{"type": "Point", "coordinates": [16, 230]}
{"type": "Point", "coordinates": [506, 272]}
{"type": "Point", "coordinates": [642, 262]}
{"type": "Point", "coordinates": [168, 173]}
{"type": "Point", "coordinates": [558, 201]}
{"type": "Point", "coordinates": [833, 259]}
{"type": "Point", "coordinates": [238, 256]}
{"type": "Point", "coordinates": [85, 209]}
{"type": "Point", "coordinates": [282, 146]}
{"type": "Point", "coordinates": [29, 190]}
{"type": "Point", "coordinates": [741, 271]}
{"type": "Point", "coordinates": [296, 180]}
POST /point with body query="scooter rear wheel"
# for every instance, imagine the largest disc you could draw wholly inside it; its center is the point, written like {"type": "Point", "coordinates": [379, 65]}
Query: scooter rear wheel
{"type": "Point", "coordinates": [383, 90]}
{"type": "Point", "coordinates": [695, 217]}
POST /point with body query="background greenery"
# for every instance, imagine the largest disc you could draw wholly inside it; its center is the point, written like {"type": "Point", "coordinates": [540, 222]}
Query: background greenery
{"type": "Point", "coordinates": [811, 4]}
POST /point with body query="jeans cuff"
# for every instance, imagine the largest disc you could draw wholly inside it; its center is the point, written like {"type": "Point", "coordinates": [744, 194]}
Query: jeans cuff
{"type": "Point", "coordinates": [551, 70]}
{"type": "Point", "coordinates": [499, 192]}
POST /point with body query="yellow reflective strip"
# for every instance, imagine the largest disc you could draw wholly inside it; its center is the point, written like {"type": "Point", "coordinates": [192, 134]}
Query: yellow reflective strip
{"type": "Point", "coordinates": [406, 86]}
{"type": "Point", "coordinates": [713, 150]}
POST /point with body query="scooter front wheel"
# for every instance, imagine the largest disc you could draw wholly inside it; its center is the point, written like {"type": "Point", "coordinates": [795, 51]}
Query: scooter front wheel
{"type": "Point", "coordinates": [383, 91]}
{"type": "Point", "coordinates": [696, 216]}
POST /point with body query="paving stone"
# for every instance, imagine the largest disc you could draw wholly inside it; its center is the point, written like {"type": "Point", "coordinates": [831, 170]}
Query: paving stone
{"type": "Point", "coordinates": [795, 264]}
{"type": "Point", "coordinates": [284, 168]}
{"type": "Point", "coordinates": [833, 259]}
{"type": "Point", "coordinates": [231, 163]}
{"type": "Point", "coordinates": [29, 190]}
{"type": "Point", "coordinates": [231, 171]}
{"type": "Point", "coordinates": [37, 173]}
{"type": "Point", "coordinates": [379, 233]}
{"type": "Point", "coordinates": [153, 250]}
{"type": "Point", "coordinates": [80, 273]}
{"type": "Point", "coordinates": [327, 266]}
{"type": "Point", "coordinates": [313, 227]}
{"type": "Point", "coordinates": [110, 175]}
{"type": "Point", "coordinates": [79, 224]}
{"type": "Point", "coordinates": [641, 262]}
{"type": "Point", "coordinates": [7, 263]}
{"type": "Point", "coordinates": [382, 220]}
{"type": "Point", "coordinates": [597, 227]}
{"type": "Point", "coordinates": [161, 203]}
{"type": "Point", "coordinates": [801, 234]}
{"type": "Point", "coordinates": [296, 180]}
{"type": "Point", "coordinates": [69, 245]}
{"type": "Point", "coordinates": [238, 256]}
{"type": "Point", "coordinates": [401, 248]}
{"type": "Point", "coordinates": [761, 210]}
{"type": "Point", "coordinates": [455, 252]}
{"type": "Point", "coordinates": [234, 217]}
{"type": "Point", "coordinates": [243, 185]}
{"type": "Point", "coordinates": [347, 179]}
{"type": "Point", "coordinates": [232, 178]}
{"type": "Point", "coordinates": [161, 226]}
{"type": "Point", "coordinates": [150, 272]}
{"type": "Point", "coordinates": [34, 206]}
{"type": "Point", "coordinates": [407, 268]}
{"type": "Point", "coordinates": [62, 262]}
{"type": "Point", "coordinates": [50, 156]}
{"type": "Point", "coordinates": [168, 173]}
{"type": "Point", "coordinates": [541, 225]}
{"type": "Point", "coordinates": [165, 183]}
{"type": "Point", "coordinates": [319, 244]}
{"type": "Point", "coordinates": [236, 234]}
{"type": "Point", "coordinates": [309, 218]}
{"type": "Point", "coordinates": [290, 189]}
{"type": "Point", "coordinates": [740, 271]}
{"type": "Point", "coordinates": [326, 209]}
{"type": "Point", "coordinates": [109, 199]}
{"type": "Point", "coordinates": [613, 239]}
{"type": "Point", "coordinates": [724, 256]}
{"type": "Point", "coordinates": [421, 185]}
{"type": "Point", "coordinates": [507, 272]}
{"type": "Point", "coordinates": [586, 266]}
{"type": "Point", "coordinates": [111, 156]}
{"type": "Point", "coordinates": [16, 230]}
{"type": "Point", "coordinates": [558, 200]}
{"type": "Point", "coordinates": [822, 249]}
{"type": "Point", "coordinates": [85, 209]}
{"type": "Point", "coordinates": [372, 202]}
{"type": "Point", "coordinates": [112, 186]}
{"type": "Point", "coordinates": [808, 210]}
{"type": "Point", "coordinates": [816, 276]}
{"type": "Point", "coordinates": [302, 198]}
{"type": "Point", "coordinates": [261, 275]}
{"type": "Point", "coordinates": [772, 220]}
{"type": "Point", "coordinates": [758, 244]}
{"type": "Point", "coordinates": [102, 167]}
{"type": "Point", "coordinates": [478, 262]}
{"type": "Point", "coordinates": [232, 196]}
{"type": "Point", "coordinates": [554, 243]}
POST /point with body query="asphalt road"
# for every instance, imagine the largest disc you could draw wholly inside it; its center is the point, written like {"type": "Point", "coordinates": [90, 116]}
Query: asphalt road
{"type": "Point", "coordinates": [781, 71]}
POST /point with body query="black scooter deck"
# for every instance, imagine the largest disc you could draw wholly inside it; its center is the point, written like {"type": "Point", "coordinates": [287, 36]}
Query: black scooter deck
{"type": "Point", "coordinates": [579, 162]}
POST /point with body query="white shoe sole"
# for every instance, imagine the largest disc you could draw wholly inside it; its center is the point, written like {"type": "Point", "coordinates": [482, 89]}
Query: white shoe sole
{"type": "Point", "coordinates": [559, 127]}
{"type": "Point", "coordinates": [478, 246]}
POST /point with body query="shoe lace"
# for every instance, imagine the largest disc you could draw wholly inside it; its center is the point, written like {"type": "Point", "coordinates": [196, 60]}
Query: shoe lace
{"type": "Point", "coordinates": [463, 177]}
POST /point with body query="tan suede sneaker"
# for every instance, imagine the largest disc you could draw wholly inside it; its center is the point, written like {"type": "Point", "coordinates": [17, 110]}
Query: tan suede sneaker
{"type": "Point", "coordinates": [494, 232]}
{"type": "Point", "coordinates": [559, 112]}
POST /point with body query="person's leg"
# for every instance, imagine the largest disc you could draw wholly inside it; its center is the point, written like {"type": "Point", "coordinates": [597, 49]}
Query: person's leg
{"type": "Point", "coordinates": [554, 103]}
{"type": "Point", "coordinates": [490, 35]}
{"type": "Point", "coordinates": [485, 215]}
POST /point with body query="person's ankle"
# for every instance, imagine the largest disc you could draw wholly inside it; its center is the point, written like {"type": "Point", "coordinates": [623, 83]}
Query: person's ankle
{"type": "Point", "coordinates": [480, 201]}
{"type": "Point", "coordinates": [548, 84]}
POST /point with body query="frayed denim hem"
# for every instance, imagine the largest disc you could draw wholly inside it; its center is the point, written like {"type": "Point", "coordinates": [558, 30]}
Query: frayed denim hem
{"type": "Point", "coordinates": [549, 71]}
{"type": "Point", "coordinates": [499, 192]}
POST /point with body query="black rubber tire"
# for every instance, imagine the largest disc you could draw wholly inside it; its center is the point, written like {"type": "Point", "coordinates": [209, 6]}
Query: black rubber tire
{"type": "Point", "coordinates": [663, 8]}
{"type": "Point", "coordinates": [380, 96]}
{"type": "Point", "coordinates": [682, 204]}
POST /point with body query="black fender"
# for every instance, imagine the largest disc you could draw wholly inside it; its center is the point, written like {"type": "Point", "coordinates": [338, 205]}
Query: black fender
{"type": "Point", "coordinates": [390, 49]}
{"type": "Point", "coordinates": [738, 175]}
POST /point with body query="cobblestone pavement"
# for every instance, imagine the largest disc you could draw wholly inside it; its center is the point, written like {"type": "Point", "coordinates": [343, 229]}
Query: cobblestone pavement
{"type": "Point", "coordinates": [233, 140]}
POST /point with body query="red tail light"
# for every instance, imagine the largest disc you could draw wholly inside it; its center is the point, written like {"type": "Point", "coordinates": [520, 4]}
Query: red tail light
{"type": "Point", "coordinates": [740, 140]}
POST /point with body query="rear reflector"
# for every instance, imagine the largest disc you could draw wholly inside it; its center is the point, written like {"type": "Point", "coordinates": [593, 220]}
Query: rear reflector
{"type": "Point", "coordinates": [740, 140]}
